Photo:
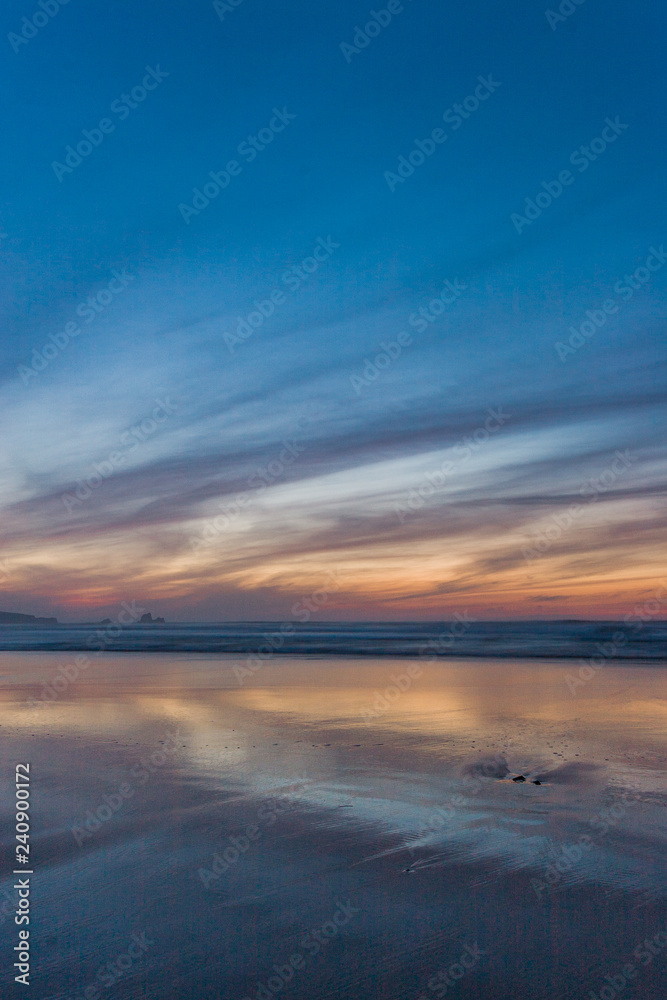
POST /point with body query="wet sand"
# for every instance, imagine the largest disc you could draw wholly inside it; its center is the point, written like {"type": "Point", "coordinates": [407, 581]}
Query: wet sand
{"type": "Point", "coordinates": [322, 828]}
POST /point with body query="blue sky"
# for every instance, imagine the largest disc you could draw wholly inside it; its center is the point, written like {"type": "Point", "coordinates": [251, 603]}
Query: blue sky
{"type": "Point", "coordinates": [358, 448]}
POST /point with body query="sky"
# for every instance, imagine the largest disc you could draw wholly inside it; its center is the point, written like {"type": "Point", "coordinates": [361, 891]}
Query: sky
{"type": "Point", "coordinates": [330, 299]}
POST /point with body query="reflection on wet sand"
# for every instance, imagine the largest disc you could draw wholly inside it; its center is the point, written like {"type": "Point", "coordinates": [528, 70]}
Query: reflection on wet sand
{"type": "Point", "coordinates": [259, 806]}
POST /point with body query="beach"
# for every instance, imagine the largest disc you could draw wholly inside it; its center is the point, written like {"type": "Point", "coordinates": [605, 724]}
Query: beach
{"type": "Point", "coordinates": [337, 827]}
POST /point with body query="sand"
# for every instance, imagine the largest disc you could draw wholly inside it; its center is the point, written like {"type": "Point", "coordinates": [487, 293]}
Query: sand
{"type": "Point", "coordinates": [318, 828]}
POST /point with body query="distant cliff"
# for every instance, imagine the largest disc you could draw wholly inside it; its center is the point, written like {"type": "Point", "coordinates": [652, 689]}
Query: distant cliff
{"type": "Point", "coordinates": [146, 619]}
{"type": "Point", "coordinates": [10, 618]}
